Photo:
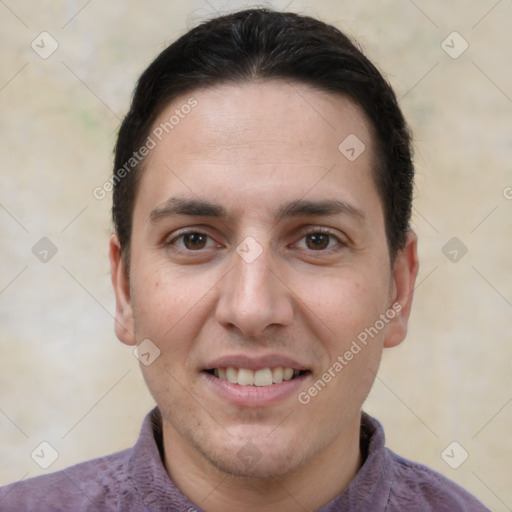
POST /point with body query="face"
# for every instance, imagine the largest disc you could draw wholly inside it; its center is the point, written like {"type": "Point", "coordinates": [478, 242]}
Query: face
{"type": "Point", "coordinates": [258, 259]}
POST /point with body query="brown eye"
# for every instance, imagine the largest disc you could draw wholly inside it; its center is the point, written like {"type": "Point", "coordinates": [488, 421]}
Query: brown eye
{"type": "Point", "coordinates": [194, 241]}
{"type": "Point", "coordinates": [317, 241]}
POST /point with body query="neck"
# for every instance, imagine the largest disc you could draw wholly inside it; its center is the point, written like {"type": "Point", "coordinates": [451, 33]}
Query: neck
{"type": "Point", "coordinates": [315, 483]}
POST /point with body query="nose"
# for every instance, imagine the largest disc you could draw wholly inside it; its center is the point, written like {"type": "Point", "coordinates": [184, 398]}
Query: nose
{"type": "Point", "coordinates": [254, 296]}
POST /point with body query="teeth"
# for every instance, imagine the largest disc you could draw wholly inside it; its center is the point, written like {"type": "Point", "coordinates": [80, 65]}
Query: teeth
{"type": "Point", "coordinates": [260, 378]}
{"type": "Point", "coordinates": [232, 375]}
{"type": "Point", "coordinates": [277, 375]}
{"type": "Point", "coordinates": [287, 373]}
{"type": "Point", "coordinates": [245, 377]}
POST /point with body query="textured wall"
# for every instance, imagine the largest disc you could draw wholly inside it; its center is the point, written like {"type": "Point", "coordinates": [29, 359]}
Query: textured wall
{"type": "Point", "coordinates": [65, 379]}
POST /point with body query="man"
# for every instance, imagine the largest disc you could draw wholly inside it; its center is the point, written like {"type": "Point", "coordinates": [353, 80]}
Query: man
{"type": "Point", "coordinates": [262, 259]}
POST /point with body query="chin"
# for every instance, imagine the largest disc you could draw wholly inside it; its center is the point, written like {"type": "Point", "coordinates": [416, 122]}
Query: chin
{"type": "Point", "coordinates": [250, 463]}
{"type": "Point", "coordinates": [255, 455]}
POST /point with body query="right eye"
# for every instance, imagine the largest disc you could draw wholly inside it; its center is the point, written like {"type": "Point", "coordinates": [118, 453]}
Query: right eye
{"type": "Point", "coordinates": [192, 241]}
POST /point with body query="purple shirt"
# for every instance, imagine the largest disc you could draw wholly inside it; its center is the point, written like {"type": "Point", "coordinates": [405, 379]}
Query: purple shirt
{"type": "Point", "coordinates": [136, 480]}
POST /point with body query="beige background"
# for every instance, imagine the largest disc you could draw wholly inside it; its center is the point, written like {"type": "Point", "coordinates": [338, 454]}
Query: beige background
{"type": "Point", "coordinates": [65, 379]}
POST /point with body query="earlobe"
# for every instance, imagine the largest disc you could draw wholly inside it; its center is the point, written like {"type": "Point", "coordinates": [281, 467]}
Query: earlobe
{"type": "Point", "coordinates": [124, 324]}
{"type": "Point", "coordinates": [405, 270]}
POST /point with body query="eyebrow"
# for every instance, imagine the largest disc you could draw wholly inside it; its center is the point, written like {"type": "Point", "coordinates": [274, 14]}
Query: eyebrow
{"type": "Point", "coordinates": [298, 208]}
{"type": "Point", "coordinates": [193, 207]}
{"type": "Point", "coordinates": [303, 207]}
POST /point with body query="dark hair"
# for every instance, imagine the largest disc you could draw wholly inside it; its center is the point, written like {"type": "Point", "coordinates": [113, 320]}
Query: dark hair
{"type": "Point", "coordinates": [259, 44]}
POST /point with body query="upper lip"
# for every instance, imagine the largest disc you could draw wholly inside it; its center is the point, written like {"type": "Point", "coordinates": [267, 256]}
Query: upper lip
{"type": "Point", "coordinates": [255, 363]}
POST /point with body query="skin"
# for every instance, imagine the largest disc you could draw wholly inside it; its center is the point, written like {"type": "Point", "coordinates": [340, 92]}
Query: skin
{"type": "Point", "coordinates": [253, 149]}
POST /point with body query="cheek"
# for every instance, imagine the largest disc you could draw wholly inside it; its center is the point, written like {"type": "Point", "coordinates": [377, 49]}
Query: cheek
{"type": "Point", "coordinates": [169, 313]}
{"type": "Point", "coordinates": [169, 307]}
{"type": "Point", "coordinates": [343, 306]}
{"type": "Point", "coordinates": [348, 309]}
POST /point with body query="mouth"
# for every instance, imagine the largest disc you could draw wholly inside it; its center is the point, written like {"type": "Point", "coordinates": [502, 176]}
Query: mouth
{"type": "Point", "coordinates": [262, 377]}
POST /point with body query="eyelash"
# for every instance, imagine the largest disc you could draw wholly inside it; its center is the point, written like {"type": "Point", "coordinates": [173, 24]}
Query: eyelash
{"type": "Point", "coordinates": [181, 234]}
{"type": "Point", "coordinates": [324, 231]}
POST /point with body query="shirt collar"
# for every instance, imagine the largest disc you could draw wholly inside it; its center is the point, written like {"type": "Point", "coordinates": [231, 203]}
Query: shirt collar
{"type": "Point", "coordinates": [147, 471]}
{"type": "Point", "coordinates": [371, 487]}
{"type": "Point", "coordinates": [368, 491]}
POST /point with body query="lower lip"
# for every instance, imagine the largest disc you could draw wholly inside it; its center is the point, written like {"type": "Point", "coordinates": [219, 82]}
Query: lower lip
{"type": "Point", "coordinates": [255, 396]}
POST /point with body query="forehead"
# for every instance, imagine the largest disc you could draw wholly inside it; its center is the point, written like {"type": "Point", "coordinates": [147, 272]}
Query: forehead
{"type": "Point", "coordinates": [268, 139]}
{"type": "Point", "coordinates": [299, 116]}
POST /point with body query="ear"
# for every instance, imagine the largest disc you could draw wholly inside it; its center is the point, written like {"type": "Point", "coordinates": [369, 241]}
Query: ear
{"type": "Point", "coordinates": [405, 270]}
{"type": "Point", "coordinates": [124, 324]}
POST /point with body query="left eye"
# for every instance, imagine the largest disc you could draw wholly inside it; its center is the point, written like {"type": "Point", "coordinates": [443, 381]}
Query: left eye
{"type": "Point", "coordinates": [318, 241]}
{"type": "Point", "coordinates": [194, 241]}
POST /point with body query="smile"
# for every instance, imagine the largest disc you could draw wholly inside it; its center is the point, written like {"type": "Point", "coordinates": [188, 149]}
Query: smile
{"type": "Point", "coordinates": [261, 377]}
